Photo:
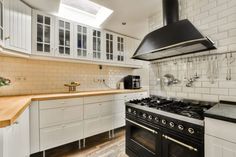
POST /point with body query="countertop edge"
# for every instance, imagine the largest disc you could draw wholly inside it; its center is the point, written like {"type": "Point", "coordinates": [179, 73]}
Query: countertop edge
{"type": "Point", "coordinates": [219, 117]}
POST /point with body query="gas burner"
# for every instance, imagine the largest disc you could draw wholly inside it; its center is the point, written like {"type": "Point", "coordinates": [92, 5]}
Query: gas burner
{"type": "Point", "coordinates": [188, 108]}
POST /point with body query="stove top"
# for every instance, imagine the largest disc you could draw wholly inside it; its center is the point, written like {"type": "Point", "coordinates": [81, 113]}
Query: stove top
{"type": "Point", "coordinates": [189, 108]}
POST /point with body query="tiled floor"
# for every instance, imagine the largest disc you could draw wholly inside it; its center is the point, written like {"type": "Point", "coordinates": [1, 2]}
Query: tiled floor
{"type": "Point", "coordinates": [97, 146]}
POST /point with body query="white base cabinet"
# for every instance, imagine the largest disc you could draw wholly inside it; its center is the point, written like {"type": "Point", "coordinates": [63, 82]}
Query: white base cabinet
{"type": "Point", "coordinates": [57, 122]}
{"type": "Point", "coordinates": [220, 138]}
{"type": "Point", "coordinates": [14, 140]}
{"type": "Point", "coordinates": [216, 147]}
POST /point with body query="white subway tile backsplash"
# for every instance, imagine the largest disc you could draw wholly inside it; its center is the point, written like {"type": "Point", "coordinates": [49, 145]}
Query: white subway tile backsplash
{"type": "Point", "coordinates": [232, 92]}
{"type": "Point", "coordinates": [218, 91]}
{"type": "Point", "coordinates": [216, 19]}
{"type": "Point", "coordinates": [202, 90]}
{"type": "Point", "coordinates": [208, 97]}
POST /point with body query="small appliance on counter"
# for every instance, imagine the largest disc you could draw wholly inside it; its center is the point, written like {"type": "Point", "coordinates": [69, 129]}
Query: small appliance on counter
{"type": "Point", "coordinates": [132, 82]}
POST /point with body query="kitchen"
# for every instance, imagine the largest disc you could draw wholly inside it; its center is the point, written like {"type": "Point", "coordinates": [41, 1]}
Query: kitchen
{"type": "Point", "coordinates": [110, 78]}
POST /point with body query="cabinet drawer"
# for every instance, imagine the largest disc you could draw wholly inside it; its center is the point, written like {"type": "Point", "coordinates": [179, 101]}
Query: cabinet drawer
{"type": "Point", "coordinates": [56, 116]}
{"type": "Point", "coordinates": [91, 110]}
{"type": "Point", "coordinates": [73, 113]}
{"type": "Point", "coordinates": [51, 117]}
{"type": "Point", "coordinates": [73, 132]}
{"type": "Point", "coordinates": [92, 127]}
{"type": "Point", "coordinates": [50, 137]}
{"type": "Point", "coordinates": [55, 136]}
{"type": "Point", "coordinates": [221, 129]}
{"type": "Point", "coordinates": [216, 147]}
{"type": "Point", "coordinates": [60, 103]}
{"type": "Point", "coordinates": [106, 123]}
{"type": "Point", "coordinates": [119, 106]}
{"type": "Point", "coordinates": [106, 108]}
{"type": "Point", "coordinates": [96, 99]}
{"type": "Point", "coordinates": [118, 120]}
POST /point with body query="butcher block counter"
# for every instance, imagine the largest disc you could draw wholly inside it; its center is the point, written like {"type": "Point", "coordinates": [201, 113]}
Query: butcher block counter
{"type": "Point", "coordinates": [11, 107]}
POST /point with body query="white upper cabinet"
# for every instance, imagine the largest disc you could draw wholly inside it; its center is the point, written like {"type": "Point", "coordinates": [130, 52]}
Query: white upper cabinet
{"type": "Point", "coordinates": [1, 22]}
{"type": "Point", "coordinates": [120, 49]}
{"type": "Point", "coordinates": [132, 44]}
{"type": "Point", "coordinates": [64, 38]}
{"type": "Point", "coordinates": [17, 26]}
{"type": "Point", "coordinates": [43, 34]}
{"type": "Point", "coordinates": [109, 42]}
{"type": "Point", "coordinates": [81, 42]}
{"type": "Point", "coordinates": [97, 44]}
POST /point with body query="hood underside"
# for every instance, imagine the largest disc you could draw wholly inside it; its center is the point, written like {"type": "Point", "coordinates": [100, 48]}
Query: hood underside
{"type": "Point", "coordinates": [175, 39]}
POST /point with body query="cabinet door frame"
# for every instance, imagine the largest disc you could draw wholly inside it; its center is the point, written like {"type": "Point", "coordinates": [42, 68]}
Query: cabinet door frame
{"type": "Point", "coordinates": [88, 42]}
{"type": "Point", "coordinates": [102, 56]}
{"type": "Point", "coordinates": [34, 34]}
{"type": "Point", "coordinates": [17, 26]}
{"type": "Point", "coordinates": [117, 52]}
{"type": "Point", "coordinates": [57, 53]}
{"type": "Point", "coordinates": [105, 46]}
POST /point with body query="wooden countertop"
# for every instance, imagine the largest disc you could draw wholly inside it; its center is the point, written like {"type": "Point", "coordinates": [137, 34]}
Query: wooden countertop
{"type": "Point", "coordinates": [11, 107]}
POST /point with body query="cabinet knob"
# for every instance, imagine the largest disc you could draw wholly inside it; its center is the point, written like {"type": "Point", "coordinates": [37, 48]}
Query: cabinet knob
{"type": "Point", "coordinates": [7, 38]}
{"type": "Point", "coordinates": [15, 123]}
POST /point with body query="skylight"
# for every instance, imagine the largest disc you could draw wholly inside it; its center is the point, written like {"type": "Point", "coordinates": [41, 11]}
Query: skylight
{"type": "Point", "coordinates": [84, 11]}
{"type": "Point", "coordinates": [84, 5]}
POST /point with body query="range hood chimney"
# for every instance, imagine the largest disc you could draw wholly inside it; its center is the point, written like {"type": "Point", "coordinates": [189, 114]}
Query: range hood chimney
{"type": "Point", "coordinates": [175, 38]}
{"type": "Point", "coordinates": [170, 11]}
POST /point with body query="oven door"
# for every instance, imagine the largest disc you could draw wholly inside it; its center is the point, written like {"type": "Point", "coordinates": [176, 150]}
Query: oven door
{"type": "Point", "coordinates": [177, 146]}
{"type": "Point", "coordinates": [142, 140]}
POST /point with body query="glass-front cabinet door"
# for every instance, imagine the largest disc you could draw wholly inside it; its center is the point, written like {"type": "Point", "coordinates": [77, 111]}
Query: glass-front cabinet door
{"type": "Point", "coordinates": [64, 38]}
{"type": "Point", "coordinates": [1, 22]}
{"type": "Point", "coordinates": [120, 49]}
{"type": "Point", "coordinates": [97, 44]}
{"type": "Point", "coordinates": [43, 34]}
{"type": "Point", "coordinates": [109, 46]}
{"type": "Point", "coordinates": [81, 41]}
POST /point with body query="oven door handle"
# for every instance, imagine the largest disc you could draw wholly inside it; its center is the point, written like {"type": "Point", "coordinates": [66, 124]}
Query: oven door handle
{"type": "Point", "coordinates": [180, 143]}
{"type": "Point", "coordinates": [144, 127]}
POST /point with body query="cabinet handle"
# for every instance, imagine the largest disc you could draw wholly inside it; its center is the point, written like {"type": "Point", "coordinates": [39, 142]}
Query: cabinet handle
{"type": "Point", "coordinates": [15, 123]}
{"type": "Point", "coordinates": [7, 38]}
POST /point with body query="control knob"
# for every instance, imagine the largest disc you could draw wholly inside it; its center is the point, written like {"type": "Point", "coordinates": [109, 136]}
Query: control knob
{"type": "Point", "coordinates": [172, 124]}
{"type": "Point", "coordinates": [150, 117]}
{"type": "Point", "coordinates": [191, 130]}
{"type": "Point", "coordinates": [181, 127]}
{"type": "Point", "coordinates": [163, 121]}
{"type": "Point", "coordinates": [156, 119]}
{"type": "Point", "coordinates": [129, 110]}
{"type": "Point", "coordinates": [144, 115]}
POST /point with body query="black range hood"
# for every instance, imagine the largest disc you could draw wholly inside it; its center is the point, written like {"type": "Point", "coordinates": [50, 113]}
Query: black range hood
{"type": "Point", "coordinates": [174, 39]}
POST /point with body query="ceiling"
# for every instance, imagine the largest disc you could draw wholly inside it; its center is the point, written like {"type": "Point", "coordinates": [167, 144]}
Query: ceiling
{"type": "Point", "coordinates": [51, 6]}
{"type": "Point", "coordinates": [134, 12]}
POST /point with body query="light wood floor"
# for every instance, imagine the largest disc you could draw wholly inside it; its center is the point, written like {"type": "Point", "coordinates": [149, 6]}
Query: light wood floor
{"type": "Point", "coordinates": [96, 146]}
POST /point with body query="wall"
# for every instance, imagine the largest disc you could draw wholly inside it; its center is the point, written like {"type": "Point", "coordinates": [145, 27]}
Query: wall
{"type": "Point", "coordinates": [34, 76]}
{"type": "Point", "coordinates": [216, 19]}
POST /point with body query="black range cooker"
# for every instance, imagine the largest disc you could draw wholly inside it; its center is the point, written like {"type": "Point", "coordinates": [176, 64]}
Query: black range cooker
{"type": "Point", "coordinates": [159, 127]}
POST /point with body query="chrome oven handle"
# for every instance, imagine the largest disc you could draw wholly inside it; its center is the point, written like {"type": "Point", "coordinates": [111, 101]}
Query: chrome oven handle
{"type": "Point", "coordinates": [144, 127]}
{"type": "Point", "coordinates": [180, 143]}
